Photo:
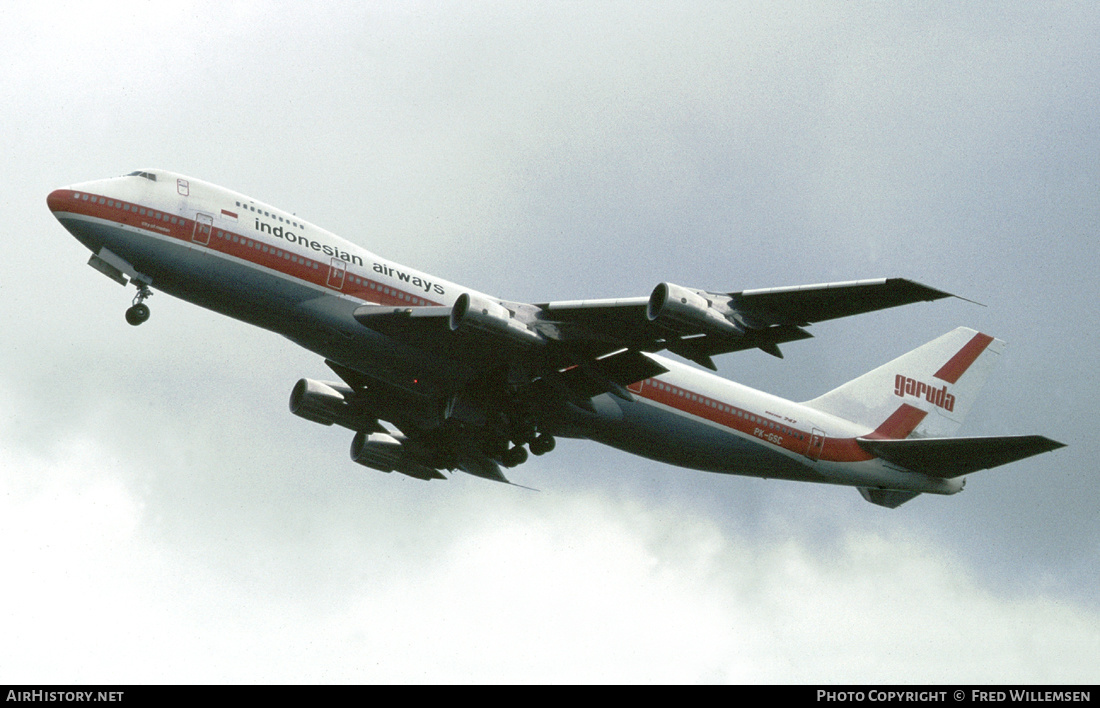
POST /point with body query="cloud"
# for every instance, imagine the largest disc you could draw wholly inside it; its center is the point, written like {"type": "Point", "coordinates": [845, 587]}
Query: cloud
{"type": "Point", "coordinates": [541, 588]}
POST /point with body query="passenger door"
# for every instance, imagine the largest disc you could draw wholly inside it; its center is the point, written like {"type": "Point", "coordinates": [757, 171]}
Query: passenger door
{"type": "Point", "coordinates": [337, 271]}
{"type": "Point", "coordinates": [817, 444]}
{"type": "Point", "coordinates": [204, 224]}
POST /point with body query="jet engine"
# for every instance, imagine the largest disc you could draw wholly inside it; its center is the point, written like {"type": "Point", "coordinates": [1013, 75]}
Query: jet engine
{"type": "Point", "coordinates": [389, 453]}
{"type": "Point", "coordinates": [326, 403]}
{"type": "Point", "coordinates": [472, 312]}
{"type": "Point", "coordinates": [693, 311]}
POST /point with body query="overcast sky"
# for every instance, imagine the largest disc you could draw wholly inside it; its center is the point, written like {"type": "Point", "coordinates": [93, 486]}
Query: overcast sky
{"type": "Point", "coordinates": [164, 518]}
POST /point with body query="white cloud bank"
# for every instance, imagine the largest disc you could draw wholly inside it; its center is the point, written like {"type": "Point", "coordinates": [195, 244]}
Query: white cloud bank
{"type": "Point", "coordinates": [576, 588]}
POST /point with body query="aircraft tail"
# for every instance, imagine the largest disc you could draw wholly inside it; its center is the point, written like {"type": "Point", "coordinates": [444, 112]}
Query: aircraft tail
{"type": "Point", "coordinates": [913, 405]}
{"type": "Point", "coordinates": [923, 394]}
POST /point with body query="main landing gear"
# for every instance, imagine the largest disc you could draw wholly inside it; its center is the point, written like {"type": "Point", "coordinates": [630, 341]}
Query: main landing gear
{"type": "Point", "coordinates": [139, 311]}
{"type": "Point", "coordinates": [515, 456]}
{"type": "Point", "coordinates": [542, 444]}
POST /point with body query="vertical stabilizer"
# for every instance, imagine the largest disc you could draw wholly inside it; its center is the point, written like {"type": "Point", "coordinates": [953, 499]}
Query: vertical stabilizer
{"type": "Point", "coordinates": [934, 386]}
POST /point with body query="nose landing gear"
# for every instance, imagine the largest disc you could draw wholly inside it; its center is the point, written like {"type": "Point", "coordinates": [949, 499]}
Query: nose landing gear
{"type": "Point", "coordinates": [139, 311]}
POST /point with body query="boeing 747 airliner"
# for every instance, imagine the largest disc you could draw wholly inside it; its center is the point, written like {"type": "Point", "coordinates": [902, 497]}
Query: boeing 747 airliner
{"type": "Point", "coordinates": [434, 376]}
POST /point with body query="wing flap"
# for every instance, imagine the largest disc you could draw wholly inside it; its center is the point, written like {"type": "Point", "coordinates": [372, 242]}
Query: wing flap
{"type": "Point", "coordinates": [953, 457]}
{"type": "Point", "coordinates": [611, 374]}
{"type": "Point", "coordinates": [405, 323]}
{"type": "Point", "coordinates": [701, 349]}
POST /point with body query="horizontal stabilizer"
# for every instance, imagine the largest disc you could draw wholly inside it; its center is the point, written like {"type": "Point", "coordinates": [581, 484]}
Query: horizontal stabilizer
{"type": "Point", "coordinates": [954, 457]}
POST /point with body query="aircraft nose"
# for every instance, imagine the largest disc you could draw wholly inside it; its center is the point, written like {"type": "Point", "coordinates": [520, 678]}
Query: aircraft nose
{"type": "Point", "coordinates": [57, 199]}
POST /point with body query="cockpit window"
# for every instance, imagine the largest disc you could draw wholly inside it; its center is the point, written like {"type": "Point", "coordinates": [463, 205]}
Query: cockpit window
{"type": "Point", "coordinates": [147, 175]}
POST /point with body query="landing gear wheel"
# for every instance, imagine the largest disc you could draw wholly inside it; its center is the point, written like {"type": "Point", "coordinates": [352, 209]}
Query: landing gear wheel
{"type": "Point", "coordinates": [514, 457]}
{"type": "Point", "coordinates": [542, 444]}
{"type": "Point", "coordinates": [139, 311]}
{"type": "Point", "coordinates": [137, 314]}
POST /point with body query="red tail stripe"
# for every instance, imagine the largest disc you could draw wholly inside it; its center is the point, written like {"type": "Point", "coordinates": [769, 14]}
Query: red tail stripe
{"type": "Point", "coordinates": [958, 364]}
{"type": "Point", "coordinates": [900, 424]}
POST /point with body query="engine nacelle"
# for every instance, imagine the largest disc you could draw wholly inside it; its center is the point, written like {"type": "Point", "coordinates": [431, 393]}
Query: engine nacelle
{"type": "Point", "coordinates": [691, 311]}
{"type": "Point", "coordinates": [379, 451]}
{"type": "Point", "coordinates": [389, 453]}
{"type": "Point", "coordinates": [472, 312]}
{"type": "Point", "coordinates": [326, 403]}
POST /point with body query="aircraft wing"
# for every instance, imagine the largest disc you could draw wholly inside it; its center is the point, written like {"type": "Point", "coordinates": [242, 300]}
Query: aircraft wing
{"type": "Point", "coordinates": [695, 324]}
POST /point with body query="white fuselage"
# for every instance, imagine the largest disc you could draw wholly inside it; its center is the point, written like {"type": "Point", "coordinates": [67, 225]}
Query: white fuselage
{"type": "Point", "coordinates": [243, 258]}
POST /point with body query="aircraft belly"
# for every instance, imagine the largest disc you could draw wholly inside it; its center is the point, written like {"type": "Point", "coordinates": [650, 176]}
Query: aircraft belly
{"type": "Point", "coordinates": [878, 473]}
{"type": "Point", "coordinates": [668, 436]}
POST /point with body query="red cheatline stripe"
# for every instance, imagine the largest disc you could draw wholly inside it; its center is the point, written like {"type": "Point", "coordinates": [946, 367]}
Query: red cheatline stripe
{"type": "Point", "coordinates": [957, 366]}
{"type": "Point", "coordinates": [87, 204]}
{"type": "Point", "coordinates": [900, 424]}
